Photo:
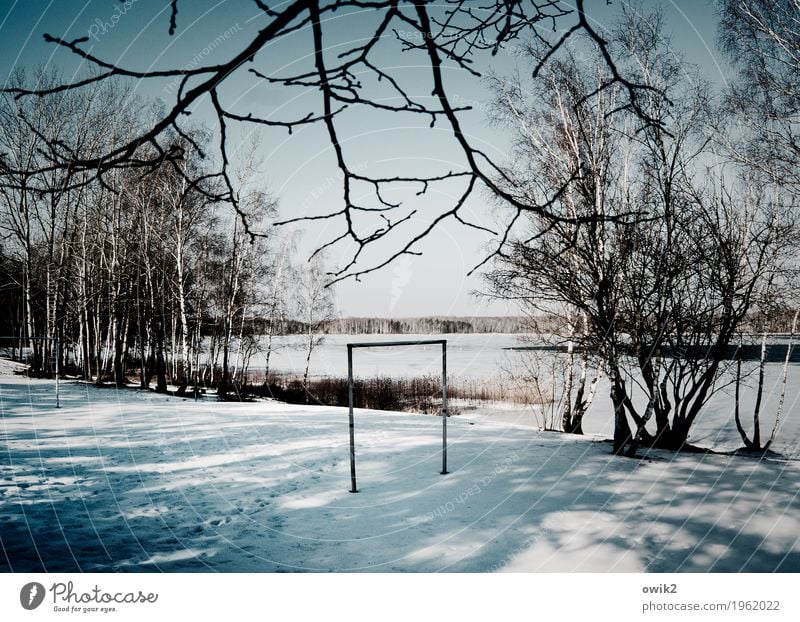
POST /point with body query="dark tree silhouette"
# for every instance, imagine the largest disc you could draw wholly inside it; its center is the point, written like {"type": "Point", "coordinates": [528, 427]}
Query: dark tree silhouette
{"type": "Point", "coordinates": [441, 35]}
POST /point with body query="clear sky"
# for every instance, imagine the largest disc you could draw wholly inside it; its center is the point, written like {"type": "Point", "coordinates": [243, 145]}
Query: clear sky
{"type": "Point", "coordinates": [300, 169]}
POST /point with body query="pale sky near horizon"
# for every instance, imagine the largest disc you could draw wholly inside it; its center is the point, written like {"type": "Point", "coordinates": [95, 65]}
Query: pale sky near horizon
{"type": "Point", "coordinates": [299, 169]}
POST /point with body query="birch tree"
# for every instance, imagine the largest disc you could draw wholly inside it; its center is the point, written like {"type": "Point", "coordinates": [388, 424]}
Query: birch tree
{"type": "Point", "coordinates": [763, 42]}
{"type": "Point", "coordinates": [665, 288]}
{"type": "Point", "coordinates": [314, 306]}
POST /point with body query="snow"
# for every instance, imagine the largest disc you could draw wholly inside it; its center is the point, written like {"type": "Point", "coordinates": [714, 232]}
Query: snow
{"type": "Point", "coordinates": [8, 367]}
{"type": "Point", "coordinates": [133, 481]}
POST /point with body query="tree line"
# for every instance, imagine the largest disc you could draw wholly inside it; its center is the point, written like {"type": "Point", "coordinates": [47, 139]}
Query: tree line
{"type": "Point", "coordinates": [413, 326]}
{"type": "Point", "coordinates": [135, 273]}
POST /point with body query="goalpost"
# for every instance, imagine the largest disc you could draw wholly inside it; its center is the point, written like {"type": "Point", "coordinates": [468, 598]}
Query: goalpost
{"type": "Point", "coordinates": [55, 354]}
{"type": "Point", "coordinates": [391, 344]}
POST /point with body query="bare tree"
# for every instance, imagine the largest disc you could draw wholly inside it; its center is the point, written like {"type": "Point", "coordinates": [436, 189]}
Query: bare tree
{"type": "Point", "coordinates": [663, 293]}
{"type": "Point", "coordinates": [314, 306]}
{"type": "Point", "coordinates": [129, 265]}
{"type": "Point", "coordinates": [276, 307]}
{"type": "Point", "coordinates": [242, 272]}
{"type": "Point", "coordinates": [763, 41]}
{"type": "Point", "coordinates": [40, 205]}
{"type": "Point", "coordinates": [555, 371]}
{"type": "Point", "coordinates": [350, 80]}
{"type": "Point", "coordinates": [189, 212]}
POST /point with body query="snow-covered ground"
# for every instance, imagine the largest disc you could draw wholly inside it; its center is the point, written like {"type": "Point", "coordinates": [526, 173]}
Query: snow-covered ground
{"type": "Point", "coordinates": [8, 368]}
{"type": "Point", "coordinates": [133, 481]}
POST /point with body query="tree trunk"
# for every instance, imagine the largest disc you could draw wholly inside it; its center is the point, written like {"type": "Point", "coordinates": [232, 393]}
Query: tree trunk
{"type": "Point", "coordinates": [567, 423]}
{"type": "Point", "coordinates": [308, 363]}
{"type": "Point", "coordinates": [622, 429]}
{"type": "Point", "coordinates": [98, 343]}
{"type": "Point", "coordinates": [759, 394]}
{"type": "Point", "coordinates": [578, 418]}
{"type": "Point", "coordinates": [186, 372]}
{"type": "Point", "coordinates": [782, 398]}
{"type": "Point", "coordinates": [736, 401]}
{"type": "Point", "coordinates": [161, 365]}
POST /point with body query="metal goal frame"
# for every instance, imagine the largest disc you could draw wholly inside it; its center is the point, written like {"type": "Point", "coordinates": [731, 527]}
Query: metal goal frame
{"type": "Point", "coordinates": [391, 344]}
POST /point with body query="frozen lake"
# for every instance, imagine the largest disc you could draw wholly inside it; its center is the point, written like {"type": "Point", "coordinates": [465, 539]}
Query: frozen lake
{"type": "Point", "coordinates": [487, 356]}
{"type": "Point", "coordinates": [470, 356]}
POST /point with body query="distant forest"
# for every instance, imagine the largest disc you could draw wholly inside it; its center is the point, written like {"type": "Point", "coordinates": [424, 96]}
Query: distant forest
{"type": "Point", "coordinates": [412, 326]}
{"type": "Point", "coordinates": [776, 322]}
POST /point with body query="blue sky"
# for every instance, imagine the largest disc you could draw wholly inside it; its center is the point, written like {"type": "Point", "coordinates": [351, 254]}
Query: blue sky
{"type": "Point", "coordinates": [300, 169]}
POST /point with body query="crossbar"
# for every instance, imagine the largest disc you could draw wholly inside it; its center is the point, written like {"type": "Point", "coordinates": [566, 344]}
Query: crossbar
{"type": "Point", "coordinates": [377, 344]}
